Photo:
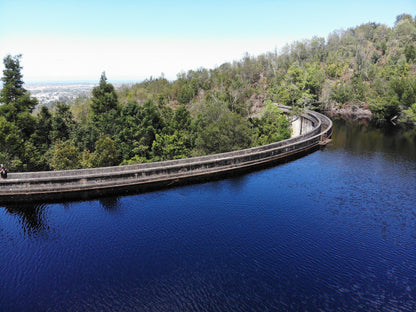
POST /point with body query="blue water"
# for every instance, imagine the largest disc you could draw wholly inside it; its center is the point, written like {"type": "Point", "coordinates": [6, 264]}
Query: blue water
{"type": "Point", "coordinates": [332, 231]}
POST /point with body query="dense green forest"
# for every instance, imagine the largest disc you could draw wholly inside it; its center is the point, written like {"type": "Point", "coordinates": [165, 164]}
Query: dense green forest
{"type": "Point", "coordinates": [371, 67]}
{"type": "Point", "coordinates": [103, 131]}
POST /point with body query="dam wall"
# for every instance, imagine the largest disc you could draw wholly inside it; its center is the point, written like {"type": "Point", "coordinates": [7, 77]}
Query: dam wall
{"type": "Point", "coordinates": [301, 125]}
{"type": "Point", "coordinates": [95, 182]}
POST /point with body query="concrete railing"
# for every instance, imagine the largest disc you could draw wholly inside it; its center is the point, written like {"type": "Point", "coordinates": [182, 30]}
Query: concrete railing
{"type": "Point", "coordinates": [83, 183]}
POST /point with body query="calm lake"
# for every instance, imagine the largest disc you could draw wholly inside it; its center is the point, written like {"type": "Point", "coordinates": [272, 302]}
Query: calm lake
{"type": "Point", "coordinates": [332, 231]}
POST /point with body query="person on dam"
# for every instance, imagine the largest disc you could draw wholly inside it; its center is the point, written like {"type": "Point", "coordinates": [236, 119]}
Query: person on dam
{"type": "Point", "coordinates": [3, 171]}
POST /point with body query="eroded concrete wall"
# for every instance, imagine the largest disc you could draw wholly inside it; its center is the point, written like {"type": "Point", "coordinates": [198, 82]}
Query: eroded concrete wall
{"type": "Point", "coordinates": [301, 125]}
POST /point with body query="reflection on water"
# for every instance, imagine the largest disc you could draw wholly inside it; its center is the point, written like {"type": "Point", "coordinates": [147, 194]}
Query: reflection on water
{"type": "Point", "coordinates": [32, 217]}
{"type": "Point", "coordinates": [110, 203]}
{"type": "Point", "coordinates": [366, 138]}
{"type": "Point", "coordinates": [378, 167]}
{"type": "Point", "coordinates": [332, 231]}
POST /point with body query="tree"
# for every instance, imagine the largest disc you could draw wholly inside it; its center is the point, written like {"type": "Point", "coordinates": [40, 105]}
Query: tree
{"type": "Point", "coordinates": [405, 29]}
{"type": "Point", "coordinates": [105, 108]}
{"type": "Point", "coordinates": [181, 119]}
{"type": "Point", "coordinates": [15, 111]}
{"type": "Point", "coordinates": [220, 130]}
{"type": "Point", "coordinates": [104, 97]}
{"type": "Point", "coordinates": [13, 97]}
{"type": "Point", "coordinates": [11, 142]}
{"type": "Point", "coordinates": [62, 122]}
{"type": "Point", "coordinates": [409, 115]}
{"type": "Point", "coordinates": [273, 126]}
{"type": "Point", "coordinates": [65, 155]}
{"type": "Point", "coordinates": [12, 79]}
{"type": "Point", "coordinates": [41, 138]}
{"type": "Point", "coordinates": [167, 146]}
{"type": "Point", "coordinates": [130, 132]}
{"type": "Point", "coordinates": [410, 52]}
{"type": "Point", "coordinates": [105, 153]}
{"type": "Point", "coordinates": [403, 17]}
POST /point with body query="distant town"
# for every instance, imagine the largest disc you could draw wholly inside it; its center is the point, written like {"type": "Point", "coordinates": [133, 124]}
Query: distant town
{"type": "Point", "coordinates": [49, 93]}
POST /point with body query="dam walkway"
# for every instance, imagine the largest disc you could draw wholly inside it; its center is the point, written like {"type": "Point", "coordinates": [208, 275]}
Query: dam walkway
{"type": "Point", "coordinates": [313, 129]}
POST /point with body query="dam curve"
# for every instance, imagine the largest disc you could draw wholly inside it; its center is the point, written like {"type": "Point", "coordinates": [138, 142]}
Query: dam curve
{"type": "Point", "coordinates": [311, 129]}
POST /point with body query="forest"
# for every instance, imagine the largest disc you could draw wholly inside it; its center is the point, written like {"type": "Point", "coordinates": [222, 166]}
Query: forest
{"type": "Point", "coordinates": [370, 67]}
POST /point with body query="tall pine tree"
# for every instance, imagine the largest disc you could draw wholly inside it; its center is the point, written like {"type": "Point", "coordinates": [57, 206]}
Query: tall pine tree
{"type": "Point", "coordinates": [14, 98]}
{"type": "Point", "coordinates": [16, 121]}
{"type": "Point", "coordinates": [104, 97]}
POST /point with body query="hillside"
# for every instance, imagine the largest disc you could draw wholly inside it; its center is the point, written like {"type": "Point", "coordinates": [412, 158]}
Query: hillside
{"type": "Point", "coordinates": [368, 71]}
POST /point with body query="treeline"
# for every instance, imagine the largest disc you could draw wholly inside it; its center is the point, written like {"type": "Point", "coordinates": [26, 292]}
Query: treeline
{"type": "Point", "coordinates": [371, 66]}
{"type": "Point", "coordinates": [204, 111]}
{"type": "Point", "coordinates": [102, 131]}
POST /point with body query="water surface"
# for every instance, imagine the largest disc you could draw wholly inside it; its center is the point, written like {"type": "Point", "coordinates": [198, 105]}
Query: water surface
{"type": "Point", "coordinates": [332, 231]}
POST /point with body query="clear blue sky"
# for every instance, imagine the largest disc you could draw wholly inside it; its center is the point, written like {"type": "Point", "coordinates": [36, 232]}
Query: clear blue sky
{"type": "Point", "coordinates": [133, 40]}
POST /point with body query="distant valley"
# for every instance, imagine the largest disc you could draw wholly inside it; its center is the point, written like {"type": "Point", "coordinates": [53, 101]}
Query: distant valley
{"type": "Point", "coordinates": [49, 93]}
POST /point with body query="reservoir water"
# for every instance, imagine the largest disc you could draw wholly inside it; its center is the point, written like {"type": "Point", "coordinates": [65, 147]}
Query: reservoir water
{"type": "Point", "coordinates": [332, 231]}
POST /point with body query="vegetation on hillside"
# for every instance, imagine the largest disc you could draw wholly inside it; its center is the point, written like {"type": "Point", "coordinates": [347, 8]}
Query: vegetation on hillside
{"type": "Point", "coordinates": [103, 131]}
{"type": "Point", "coordinates": [369, 67]}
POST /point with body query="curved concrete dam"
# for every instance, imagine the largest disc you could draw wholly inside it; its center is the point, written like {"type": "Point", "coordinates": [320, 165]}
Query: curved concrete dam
{"type": "Point", "coordinates": [312, 128]}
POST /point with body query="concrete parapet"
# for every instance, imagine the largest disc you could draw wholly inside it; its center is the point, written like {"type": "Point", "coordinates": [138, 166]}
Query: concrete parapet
{"type": "Point", "coordinates": [94, 182]}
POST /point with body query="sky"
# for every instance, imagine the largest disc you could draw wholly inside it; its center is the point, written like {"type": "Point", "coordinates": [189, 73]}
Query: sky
{"type": "Point", "coordinates": [76, 40]}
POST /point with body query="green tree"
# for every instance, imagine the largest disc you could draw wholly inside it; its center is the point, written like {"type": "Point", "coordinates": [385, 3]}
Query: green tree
{"type": "Point", "coordinates": [186, 93]}
{"type": "Point", "coordinates": [409, 115]}
{"type": "Point", "coordinates": [272, 126]}
{"type": "Point", "coordinates": [14, 98]}
{"type": "Point", "coordinates": [104, 97]}
{"type": "Point", "coordinates": [105, 108]}
{"type": "Point", "coordinates": [65, 155]}
{"type": "Point", "coordinates": [410, 52]}
{"type": "Point", "coordinates": [41, 138]}
{"type": "Point", "coordinates": [12, 80]}
{"type": "Point", "coordinates": [11, 144]}
{"type": "Point", "coordinates": [341, 92]}
{"type": "Point", "coordinates": [138, 126]}
{"type": "Point", "coordinates": [106, 153]}
{"type": "Point", "coordinates": [62, 122]}
{"type": "Point", "coordinates": [403, 17]}
{"type": "Point", "coordinates": [181, 119]}
{"type": "Point", "coordinates": [130, 134]}
{"type": "Point", "coordinates": [220, 130]}
{"type": "Point", "coordinates": [168, 146]}
{"type": "Point", "coordinates": [151, 124]}
{"type": "Point", "coordinates": [15, 109]}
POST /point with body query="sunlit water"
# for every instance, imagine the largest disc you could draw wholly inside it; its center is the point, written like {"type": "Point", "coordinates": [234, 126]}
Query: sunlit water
{"type": "Point", "coordinates": [332, 231]}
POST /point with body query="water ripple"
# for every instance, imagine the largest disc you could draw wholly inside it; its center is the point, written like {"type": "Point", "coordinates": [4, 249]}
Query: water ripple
{"type": "Point", "coordinates": [333, 231]}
